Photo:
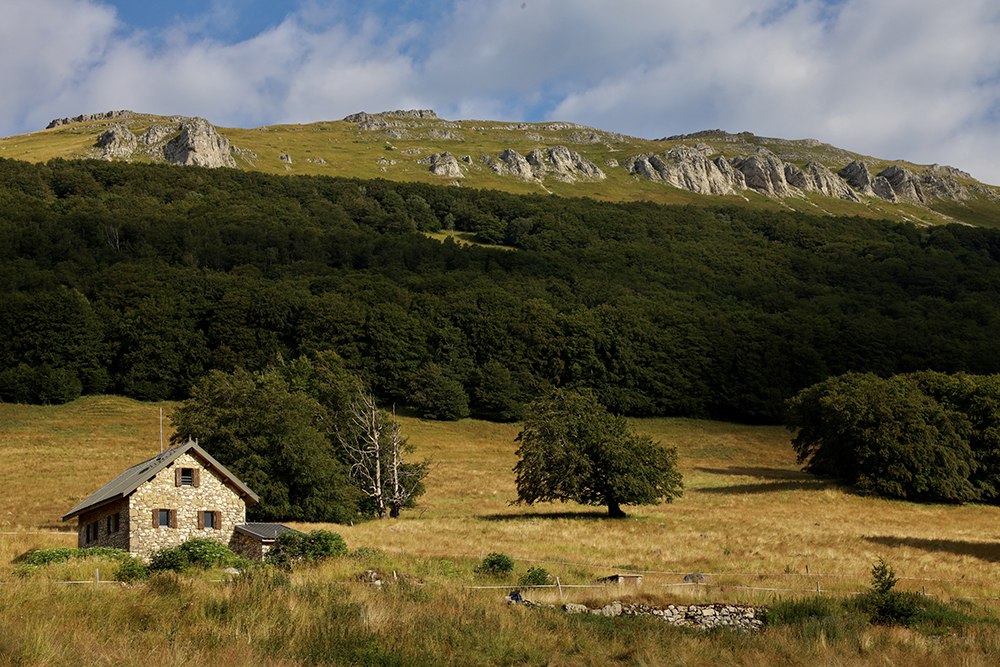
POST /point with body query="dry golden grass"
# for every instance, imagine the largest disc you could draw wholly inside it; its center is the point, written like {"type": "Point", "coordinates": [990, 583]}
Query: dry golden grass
{"type": "Point", "coordinates": [749, 518]}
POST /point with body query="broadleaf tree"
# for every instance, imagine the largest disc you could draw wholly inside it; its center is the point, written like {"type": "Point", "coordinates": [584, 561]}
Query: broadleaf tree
{"type": "Point", "coordinates": [572, 448]}
{"type": "Point", "coordinates": [273, 438]}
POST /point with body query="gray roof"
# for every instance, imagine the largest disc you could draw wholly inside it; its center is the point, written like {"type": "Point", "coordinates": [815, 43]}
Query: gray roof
{"type": "Point", "coordinates": [124, 484]}
{"type": "Point", "coordinates": [264, 531]}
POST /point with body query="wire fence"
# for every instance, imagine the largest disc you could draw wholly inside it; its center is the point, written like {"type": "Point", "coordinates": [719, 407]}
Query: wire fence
{"type": "Point", "coordinates": [702, 580]}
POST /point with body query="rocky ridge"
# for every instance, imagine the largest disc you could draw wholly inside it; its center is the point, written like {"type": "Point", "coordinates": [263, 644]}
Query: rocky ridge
{"type": "Point", "coordinates": [711, 162]}
{"type": "Point", "coordinates": [693, 169]}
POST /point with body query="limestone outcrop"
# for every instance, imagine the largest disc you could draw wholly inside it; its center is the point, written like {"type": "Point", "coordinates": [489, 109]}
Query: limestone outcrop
{"type": "Point", "coordinates": [199, 144]}
{"type": "Point", "coordinates": [817, 178]}
{"type": "Point", "coordinates": [904, 183]}
{"type": "Point", "coordinates": [688, 169]}
{"type": "Point", "coordinates": [765, 173]}
{"type": "Point", "coordinates": [118, 142]}
{"type": "Point", "coordinates": [443, 164]}
{"type": "Point", "coordinates": [858, 177]}
{"type": "Point", "coordinates": [563, 164]}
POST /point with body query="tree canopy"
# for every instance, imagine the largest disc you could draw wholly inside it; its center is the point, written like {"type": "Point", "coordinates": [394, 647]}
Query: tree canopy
{"type": "Point", "coordinates": [923, 436]}
{"type": "Point", "coordinates": [572, 448]}
{"type": "Point", "coordinates": [273, 438]}
{"type": "Point", "coordinates": [141, 279]}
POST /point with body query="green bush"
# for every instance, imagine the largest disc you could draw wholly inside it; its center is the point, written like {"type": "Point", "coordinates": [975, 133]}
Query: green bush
{"type": "Point", "coordinates": [206, 552]}
{"type": "Point", "coordinates": [131, 569]}
{"type": "Point", "coordinates": [535, 576]}
{"type": "Point", "coordinates": [495, 565]}
{"type": "Point", "coordinates": [202, 552]}
{"type": "Point", "coordinates": [170, 559]}
{"type": "Point", "coordinates": [295, 547]}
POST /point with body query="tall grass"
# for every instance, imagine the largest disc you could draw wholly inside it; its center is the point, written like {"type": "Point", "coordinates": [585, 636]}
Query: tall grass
{"type": "Point", "coordinates": [749, 519]}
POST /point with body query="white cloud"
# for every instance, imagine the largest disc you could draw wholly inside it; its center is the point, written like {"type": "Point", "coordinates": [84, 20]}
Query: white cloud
{"type": "Point", "coordinates": [909, 79]}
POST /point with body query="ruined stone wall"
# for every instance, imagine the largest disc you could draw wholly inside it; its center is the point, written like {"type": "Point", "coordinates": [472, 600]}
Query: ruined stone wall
{"type": "Point", "coordinates": [162, 492]}
{"type": "Point", "coordinates": [703, 616]}
{"type": "Point", "coordinates": [102, 522]}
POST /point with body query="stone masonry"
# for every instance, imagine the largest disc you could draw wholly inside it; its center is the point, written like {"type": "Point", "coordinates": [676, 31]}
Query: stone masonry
{"type": "Point", "coordinates": [211, 494]}
{"type": "Point", "coordinates": [702, 616]}
{"type": "Point", "coordinates": [108, 527]}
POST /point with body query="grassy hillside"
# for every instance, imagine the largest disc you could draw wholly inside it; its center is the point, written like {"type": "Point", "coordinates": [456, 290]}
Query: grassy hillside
{"type": "Point", "coordinates": [749, 519]}
{"type": "Point", "coordinates": [338, 148]}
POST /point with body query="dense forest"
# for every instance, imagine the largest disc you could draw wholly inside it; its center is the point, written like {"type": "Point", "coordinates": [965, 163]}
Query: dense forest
{"type": "Point", "coordinates": [140, 279]}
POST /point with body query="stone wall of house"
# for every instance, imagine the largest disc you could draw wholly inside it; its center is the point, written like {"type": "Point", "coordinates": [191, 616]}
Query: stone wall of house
{"type": "Point", "coordinates": [212, 494]}
{"type": "Point", "coordinates": [102, 522]}
{"type": "Point", "coordinates": [248, 547]}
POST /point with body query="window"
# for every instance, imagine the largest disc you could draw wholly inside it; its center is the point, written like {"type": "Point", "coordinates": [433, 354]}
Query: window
{"type": "Point", "coordinates": [113, 523]}
{"type": "Point", "coordinates": [164, 518]}
{"type": "Point", "coordinates": [187, 477]}
{"type": "Point", "coordinates": [209, 520]}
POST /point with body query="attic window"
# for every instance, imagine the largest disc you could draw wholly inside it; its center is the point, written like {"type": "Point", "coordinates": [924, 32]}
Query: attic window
{"type": "Point", "coordinates": [187, 477]}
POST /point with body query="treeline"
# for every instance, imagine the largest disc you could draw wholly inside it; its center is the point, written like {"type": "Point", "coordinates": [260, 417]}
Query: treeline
{"type": "Point", "coordinates": [140, 279]}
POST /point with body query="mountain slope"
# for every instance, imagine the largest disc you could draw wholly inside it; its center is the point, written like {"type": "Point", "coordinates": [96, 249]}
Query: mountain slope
{"type": "Point", "coordinates": [556, 157]}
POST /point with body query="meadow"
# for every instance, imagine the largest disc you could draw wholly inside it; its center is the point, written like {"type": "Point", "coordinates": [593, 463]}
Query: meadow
{"type": "Point", "coordinates": [760, 530]}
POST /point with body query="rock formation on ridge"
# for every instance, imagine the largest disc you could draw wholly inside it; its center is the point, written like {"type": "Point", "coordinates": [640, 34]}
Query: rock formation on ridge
{"type": "Point", "coordinates": [199, 144]}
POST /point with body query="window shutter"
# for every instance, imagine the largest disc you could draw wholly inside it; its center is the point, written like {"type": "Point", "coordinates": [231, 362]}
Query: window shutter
{"type": "Point", "coordinates": [201, 520]}
{"type": "Point", "coordinates": [156, 517]}
{"type": "Point", "coordinates": [173, 518]}
{"type": "Point", "coordinates": [177, 476]}
{"type": "Point", "coordinates": [196, 477]}
{"type": "Point", "coordinates": [217, 523]}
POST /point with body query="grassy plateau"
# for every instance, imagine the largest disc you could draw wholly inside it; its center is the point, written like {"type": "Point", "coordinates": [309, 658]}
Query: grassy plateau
{"type": "Point", "coordinates": [761, 530]}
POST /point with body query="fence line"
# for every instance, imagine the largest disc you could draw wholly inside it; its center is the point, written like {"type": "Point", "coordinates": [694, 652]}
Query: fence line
{"type": "Point", "coordinates": [685, 572]}
{"type": "Point", "coordinates": [564, 563]}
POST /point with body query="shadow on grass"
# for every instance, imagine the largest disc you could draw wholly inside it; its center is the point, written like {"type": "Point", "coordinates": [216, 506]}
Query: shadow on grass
{"type": "Point", "coordinates": [781, 480]}
{"type": "Point", "coordinates": [987, 551]}
{"type": "Point", "coordinates": [534, 516]}
{"type": "Point", "coordinates": [772, 487]}
{"type": "Point", "coordinates": [763, 473]}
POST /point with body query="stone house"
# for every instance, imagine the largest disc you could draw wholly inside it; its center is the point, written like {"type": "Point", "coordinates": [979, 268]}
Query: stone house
{"type": "Point", "coordinates": [180, 494]}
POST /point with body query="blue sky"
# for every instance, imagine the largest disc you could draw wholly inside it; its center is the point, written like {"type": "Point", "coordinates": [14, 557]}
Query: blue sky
{"type": "Point", "coordinates": [899, 79]}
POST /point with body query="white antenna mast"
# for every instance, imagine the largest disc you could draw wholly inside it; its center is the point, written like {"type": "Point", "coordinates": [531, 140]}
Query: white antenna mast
{"type": "Point", "coordinates": [161, 430]}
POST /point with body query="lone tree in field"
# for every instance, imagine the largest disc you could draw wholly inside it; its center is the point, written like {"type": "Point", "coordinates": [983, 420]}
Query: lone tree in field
{"type": "Point", "coordinates": [573, 449]}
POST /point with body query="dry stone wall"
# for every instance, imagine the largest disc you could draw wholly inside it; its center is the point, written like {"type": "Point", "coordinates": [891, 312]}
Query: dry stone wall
{"type": "Point", "coordinates": [212, 494]}
{"type": "Point", "coordinates": [702, 616]}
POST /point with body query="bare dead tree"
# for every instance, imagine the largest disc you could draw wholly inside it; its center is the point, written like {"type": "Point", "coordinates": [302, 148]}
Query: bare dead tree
{"type": "Point", "coordinates": [375, 446]}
